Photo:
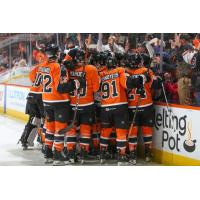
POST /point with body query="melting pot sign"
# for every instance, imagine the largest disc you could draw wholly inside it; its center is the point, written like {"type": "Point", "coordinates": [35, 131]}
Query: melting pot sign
{"type": "Point", "coordinates": [176, 131]}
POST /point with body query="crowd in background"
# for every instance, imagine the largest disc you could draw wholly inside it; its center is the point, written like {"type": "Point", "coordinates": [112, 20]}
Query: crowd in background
{"type": "Point", "coordinates": [175, 58]}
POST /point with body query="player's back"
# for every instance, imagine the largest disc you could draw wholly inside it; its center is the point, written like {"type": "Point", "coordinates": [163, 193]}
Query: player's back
{"type": "Point", "coordinates": [90, 74]}
{"type": "Point", "coordinates": [113, 87]}
{"type": "Point", "coordinates": [49, 78]}
{"type": "Point", "coordinates": [133, 96]}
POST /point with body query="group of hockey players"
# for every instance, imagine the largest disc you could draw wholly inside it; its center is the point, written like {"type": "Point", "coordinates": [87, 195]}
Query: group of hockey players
{"type": "Point", "coordinates": [91, 104]}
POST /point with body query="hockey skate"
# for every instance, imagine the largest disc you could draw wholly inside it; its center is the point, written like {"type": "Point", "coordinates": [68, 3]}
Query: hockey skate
{"type": "Point", "coordinates": [122, 159]}
{"type": "Point", "coordinates": [48, 155]}
{"type": "Point", "coordinates": [25, 135]}
{"type": "Point", "coordinates": [133, 158]}
{"type": "Point", "coordinates": [58, 158]}
{"type": "Point", "coordinates": [43, 148]}
{"type": "Point", "coordinates": [83, 155]}
{"type": "Point", "coordinates": [103, 155]}
{"type": "Point", "coordinates": [71, 157]}
{"type": "Point", "coordinates": [24, 146]}
{"type": "Point", "coordinates": [148, 153]}
{"type": "Point", "coordinates": [112, 152]}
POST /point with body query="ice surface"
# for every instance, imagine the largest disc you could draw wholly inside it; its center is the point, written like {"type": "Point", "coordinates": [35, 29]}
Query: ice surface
{"type": "Point", "coordinates": [12, 154]}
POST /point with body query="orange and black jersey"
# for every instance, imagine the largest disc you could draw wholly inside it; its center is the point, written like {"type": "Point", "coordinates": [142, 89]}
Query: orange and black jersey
{"type": "Point", "coordinates": [90, 74]}
{"type": "Point", "coordinates": [35, 88]}
{"type": "Point", "coordinates": [113, 87]}
{"type": "Point", "coordinates": [48, 77]}
{"type": "Point", "coordinates": [133, 95]}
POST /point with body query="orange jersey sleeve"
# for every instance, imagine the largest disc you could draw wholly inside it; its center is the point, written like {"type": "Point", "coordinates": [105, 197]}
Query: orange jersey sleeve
{"type": "Point", "coordinates": [32, 73]}
{"type": "Point", "coordinates": [33, 76]}
{"type": "Point", "coordinates": [95, 79]}
{"type": "Point", "coordinates": [122, 77]}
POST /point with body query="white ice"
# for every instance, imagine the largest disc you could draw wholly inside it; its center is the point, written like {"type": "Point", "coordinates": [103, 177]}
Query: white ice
{"type": "Point", "coordinates": [12, 154]}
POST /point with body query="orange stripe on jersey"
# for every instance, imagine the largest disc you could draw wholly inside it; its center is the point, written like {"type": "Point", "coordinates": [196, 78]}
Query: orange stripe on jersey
{"type": "Point", "coordinates": [92, 85]}
{"type": "Point", "coordinates": [133, 97]}
{"type": "Point", "coordinates": [48, 76]}
{"type": "Point", "coordinates": [113, 87]}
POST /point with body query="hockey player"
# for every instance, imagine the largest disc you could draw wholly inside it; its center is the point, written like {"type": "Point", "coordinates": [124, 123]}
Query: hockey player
{"type": "Point", "coordinates": [89, 80]}
{"type": "Point", "coordinates": [140, 105]}
{"type": "Point", "coordinates": [35, 110]}
{"type": "Point", "coordinates": [99, 59]}
{"type": "Point", "coordinates": [56, 104]}
{"type": "Point", "coordinates": [114, 108]}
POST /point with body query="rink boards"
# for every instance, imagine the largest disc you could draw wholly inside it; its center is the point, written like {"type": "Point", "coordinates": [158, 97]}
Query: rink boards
{"type": "Point", "coordinates": [13, 100]}
{"type": "Point", "coordinates": [176, 133]}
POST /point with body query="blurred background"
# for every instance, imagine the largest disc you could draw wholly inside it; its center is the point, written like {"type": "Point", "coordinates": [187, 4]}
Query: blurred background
{"type": "Point", "coordinates": [172, 56]}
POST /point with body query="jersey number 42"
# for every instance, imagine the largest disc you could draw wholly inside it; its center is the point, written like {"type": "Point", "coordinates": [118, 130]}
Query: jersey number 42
{"type": "Point", "coordinates": [45, 80]}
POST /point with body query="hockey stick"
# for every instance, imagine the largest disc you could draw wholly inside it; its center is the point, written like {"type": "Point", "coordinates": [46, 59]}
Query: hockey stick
{"type": "Point", "coordinates": [134, 117]}
{"type": "Point", "coordinates": [168, 108]}
{"type": "Point", "coordinates": [165, 96]}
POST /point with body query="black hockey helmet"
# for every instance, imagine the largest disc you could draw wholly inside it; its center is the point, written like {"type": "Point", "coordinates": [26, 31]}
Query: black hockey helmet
{"type": "Point", "coordinates": [111, 62]}
{"type": "Point", "coordinates": [119, 56]}
{"type": "Point", "coordinates": [133, 60]}
{"type": "Point", "coordinates": [101, 57]}
{"type": "Point", "coordinates": [146, 60]}
{"type": "Point", "coordinates": [77, 55]}
{"type": "Point", "coordinates": [51, 51]}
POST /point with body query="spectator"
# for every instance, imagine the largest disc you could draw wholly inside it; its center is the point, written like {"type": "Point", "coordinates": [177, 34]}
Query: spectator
{"type": "Point", "coordinates": [183, 74]}
{"type": "Point", "coordinates": [111, 46]}
{"type": "Point", "coordinates": [4, 60]}
{"type": "Point", "coordinates": [196, 41]}
{"type": "Point", "coordinates": [196, 79]}
{"type": "Point", "coordinates": [171, 88]}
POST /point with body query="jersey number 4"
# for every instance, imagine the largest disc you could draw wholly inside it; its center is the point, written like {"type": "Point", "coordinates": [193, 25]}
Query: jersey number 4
{"type": "Point", "coordinates": [45, 80]}
{"type": "Point", "coordinates": [109, 89]}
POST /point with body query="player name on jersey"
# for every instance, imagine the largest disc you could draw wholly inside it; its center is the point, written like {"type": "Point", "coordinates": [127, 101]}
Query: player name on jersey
{"type": "Point", "coordinates": [110, 76]}
{"type": "Point", "coordinates": [44, 70]}
{"type": "Point", "coordinates": [77, 74]}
